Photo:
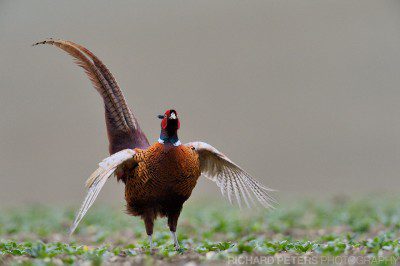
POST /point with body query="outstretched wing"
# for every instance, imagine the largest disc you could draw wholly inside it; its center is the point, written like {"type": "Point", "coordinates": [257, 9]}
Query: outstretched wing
{"type": "Point", "coordinates": [230, 178]}
{"type": "Point", "coordinates": [122, 127]}
{"type": "Point", "coordinates": [97, 180]}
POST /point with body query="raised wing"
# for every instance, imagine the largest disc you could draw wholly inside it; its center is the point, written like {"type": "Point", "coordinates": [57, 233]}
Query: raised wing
{"type": "Point", "coordinates": [230, 178]}
{"type": "Point", "coordinates": [122, 127]}
{"type": "Point", "coordinates": [97, 180]}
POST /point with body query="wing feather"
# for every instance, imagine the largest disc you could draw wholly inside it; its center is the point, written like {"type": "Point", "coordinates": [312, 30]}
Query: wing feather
{"type": "Point", "coordinates": [235, 186]}
{"type": "Point", "coordinates": [97, 180]}
{"type": "Point", "coordinates": [246, 194]}
{"type": "Point", "coordinates": [232, 180]}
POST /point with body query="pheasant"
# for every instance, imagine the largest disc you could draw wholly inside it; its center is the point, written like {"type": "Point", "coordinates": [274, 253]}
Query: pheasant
{"type": "Point", "coordinates": [160, 177]}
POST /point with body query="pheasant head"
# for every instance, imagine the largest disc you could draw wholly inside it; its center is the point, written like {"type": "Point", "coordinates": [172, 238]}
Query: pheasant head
{"type": "Point", "coordinates": [169, 128]}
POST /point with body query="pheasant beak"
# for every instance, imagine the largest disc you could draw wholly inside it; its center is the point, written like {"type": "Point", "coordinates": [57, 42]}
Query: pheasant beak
{"type": "Point", "coordinates": [160, 116]}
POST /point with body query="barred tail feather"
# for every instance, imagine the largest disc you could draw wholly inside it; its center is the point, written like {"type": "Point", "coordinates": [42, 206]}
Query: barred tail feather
{"type": "Point", "coordinates": [122, 127]}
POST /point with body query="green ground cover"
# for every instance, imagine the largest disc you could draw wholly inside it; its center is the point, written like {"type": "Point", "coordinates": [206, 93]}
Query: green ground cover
{"type": "Point", "coordinates": [365, 228]}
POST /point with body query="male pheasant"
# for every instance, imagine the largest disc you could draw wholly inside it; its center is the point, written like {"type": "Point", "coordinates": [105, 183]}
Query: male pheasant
{"type": "Point", "coordinates": [158, 178]}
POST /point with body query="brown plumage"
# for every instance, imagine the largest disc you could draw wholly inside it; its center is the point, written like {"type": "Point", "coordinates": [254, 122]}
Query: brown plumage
{"type": "Point", "coordinates": [158, 178]}
{"type": "Point", "coordinates": [162, 181]}
{"type": "Point", "coordinates": [122, 127]}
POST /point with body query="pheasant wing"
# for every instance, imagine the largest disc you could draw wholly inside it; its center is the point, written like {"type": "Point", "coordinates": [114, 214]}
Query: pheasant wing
{"type": "Point", "coordinates": [97, 180]}
{"type": "Point", "coordinates": [230, 178]}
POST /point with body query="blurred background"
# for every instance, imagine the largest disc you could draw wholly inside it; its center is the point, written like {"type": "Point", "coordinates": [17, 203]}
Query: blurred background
{"type": "Point", "coordinates": [303, 94]}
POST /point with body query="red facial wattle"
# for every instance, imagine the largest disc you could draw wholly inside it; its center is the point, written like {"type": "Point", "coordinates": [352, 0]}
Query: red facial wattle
{"type": "Point", "coordinates": [164, 123]}
{"type": "Point", "coordinates": [167, 115]}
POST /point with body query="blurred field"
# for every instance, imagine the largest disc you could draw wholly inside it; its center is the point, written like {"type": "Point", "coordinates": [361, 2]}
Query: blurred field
{"type": "Point", "coordinates": [296, 92]}
{"type": "Point", "coordinates": [209, 234]}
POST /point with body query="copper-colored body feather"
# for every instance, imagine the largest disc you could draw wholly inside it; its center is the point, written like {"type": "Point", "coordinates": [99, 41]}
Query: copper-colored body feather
{"type": "Point", "coordinates": [161, 182]}
{"type": "Point", "coordinates": [162, 171]}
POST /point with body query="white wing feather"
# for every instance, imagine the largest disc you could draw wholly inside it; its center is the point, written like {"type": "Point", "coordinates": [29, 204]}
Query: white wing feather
{"type": "Point", "coordinates": [97, 180]}
{"type": "Point", "coordinates": [231, 178]}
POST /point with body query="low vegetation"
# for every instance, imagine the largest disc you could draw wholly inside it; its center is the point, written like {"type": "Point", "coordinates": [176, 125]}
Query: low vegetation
{"type": "Point", "coordinates": [365, 229]}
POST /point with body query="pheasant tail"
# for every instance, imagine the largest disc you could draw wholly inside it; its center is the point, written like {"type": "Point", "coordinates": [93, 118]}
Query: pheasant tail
{"type": "Point", "coordinates": [122, 127]}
